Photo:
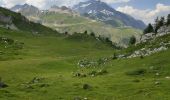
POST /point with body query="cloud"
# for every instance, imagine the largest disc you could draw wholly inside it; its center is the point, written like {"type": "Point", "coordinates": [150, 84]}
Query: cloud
{"type": "Point", "coordinates": [47, 3]}
{"type": "Point", "coordinates": [147, 15]}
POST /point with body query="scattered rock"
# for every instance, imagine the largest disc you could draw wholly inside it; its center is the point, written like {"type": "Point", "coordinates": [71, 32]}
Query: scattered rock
{"type": "Point", "coordinates": [146, 52]}
{"type": "Point", "coordinates": [157, 83]}
{"type": "Point", "coordinates": [157, 74]}
{"type": "Point", "coordinates": [35, 80]}
{"type": "Point", "coordinates": [167, 77]}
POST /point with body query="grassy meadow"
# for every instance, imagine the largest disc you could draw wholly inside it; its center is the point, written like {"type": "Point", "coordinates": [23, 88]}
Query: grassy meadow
{"type": "Point", "coordinates": [43, 69]}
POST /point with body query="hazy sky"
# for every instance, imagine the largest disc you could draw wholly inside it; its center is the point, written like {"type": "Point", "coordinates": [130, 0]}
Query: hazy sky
{"type": "Point", "coordinates": [145, 10]}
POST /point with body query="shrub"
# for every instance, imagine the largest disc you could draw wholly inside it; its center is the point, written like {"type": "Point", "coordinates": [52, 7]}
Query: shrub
{"type": "Point", "coordinates": [92, 34]}
{"type": "Point", "coordinates": [93, 73]}
{"type": "Point", "coordinates": [86, 86]}
{"type": "Point", "coordinates": [101, 72]}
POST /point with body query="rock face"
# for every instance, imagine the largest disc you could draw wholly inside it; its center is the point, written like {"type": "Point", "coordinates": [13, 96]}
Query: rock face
{"type": "Point", "coordinates": [62, 9]}
{"type": "Point", "coordinates": [5, 19]}
{"type": "Point", "coordinates": [98, 10]}
{"type": "Point", "coordinates": [164, 30]}
{"type": "Point", "coordinates": [26, 10]}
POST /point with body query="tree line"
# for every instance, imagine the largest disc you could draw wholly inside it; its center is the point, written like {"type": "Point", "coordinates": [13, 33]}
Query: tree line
{"type": "Point", "coordinates": [159, 22]}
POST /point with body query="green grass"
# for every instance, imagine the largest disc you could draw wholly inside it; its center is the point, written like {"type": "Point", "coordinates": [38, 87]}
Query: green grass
{"type": "Point", "coordinates": [53, 60]}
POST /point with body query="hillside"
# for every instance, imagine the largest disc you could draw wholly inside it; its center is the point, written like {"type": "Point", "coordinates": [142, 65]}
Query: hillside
{"type": "Point", "coordinates": [16, 21]}
{"type": "Point", "coordinates": [71, 22]}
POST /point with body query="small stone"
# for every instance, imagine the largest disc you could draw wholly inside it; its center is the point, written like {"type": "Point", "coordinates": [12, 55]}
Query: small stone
{"type": "Point", "coordinates": [157, 83]}
{"type": "Point", "coordinates": [167, 77]}
{"type": "Point", "coordinates": [157, 74]}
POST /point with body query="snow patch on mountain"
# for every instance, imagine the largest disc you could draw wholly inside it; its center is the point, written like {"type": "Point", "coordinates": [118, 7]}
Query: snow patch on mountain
{"type": "Point", "coordinates": [107, 12]}
{"type": "Point", "coordinates": [85, 5]}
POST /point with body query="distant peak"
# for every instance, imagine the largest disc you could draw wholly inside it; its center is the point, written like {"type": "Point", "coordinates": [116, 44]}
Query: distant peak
{"type": "Point", "coordinates": [26, 4]}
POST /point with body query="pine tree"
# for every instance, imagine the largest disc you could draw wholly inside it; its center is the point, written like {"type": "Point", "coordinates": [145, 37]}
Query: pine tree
{"type": "Point", "coordinates": [156, 25]}
{"type": "Point", "coordinates": [132, 40]}
{"type": "Point", "coordinates": [162, 21]}
{"type": "Point", "coordinates": [149, 29]}
{"type": "Point", "coordinates": [159, 23]}
{"type": "Point", "coordinates": [168, 20]}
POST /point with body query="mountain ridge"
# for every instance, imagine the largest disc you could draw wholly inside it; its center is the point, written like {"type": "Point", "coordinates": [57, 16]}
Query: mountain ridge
{"type": "Point", "coordinates": [101, 11]}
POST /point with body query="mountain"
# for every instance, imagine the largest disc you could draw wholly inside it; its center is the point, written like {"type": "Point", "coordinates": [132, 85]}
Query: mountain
{"type": "Point", "coordinates": [27, 10]}
{"type": "Point", "coordinates": [98, 10]}
{"type": "Point", "coordinates": [64, 19]}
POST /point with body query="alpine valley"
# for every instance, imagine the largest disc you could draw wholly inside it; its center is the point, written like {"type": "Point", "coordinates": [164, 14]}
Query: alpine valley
{"type": "Point", "coordinates": [88, 51]}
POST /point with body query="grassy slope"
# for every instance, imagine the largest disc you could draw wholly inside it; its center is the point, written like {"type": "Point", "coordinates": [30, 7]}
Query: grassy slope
{"type": "Point", "coordinates": [73, 24]}
{"type": "Point", "coordinates": [55, 58]}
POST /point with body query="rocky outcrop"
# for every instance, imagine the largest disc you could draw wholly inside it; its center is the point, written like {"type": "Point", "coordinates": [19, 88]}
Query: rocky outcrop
{"type": "Point", "coordinates": [5, 19]}
{"type": "Point", "coordinates": [164, 30]}
{"type": "Point", "coordinates": [146, 52]}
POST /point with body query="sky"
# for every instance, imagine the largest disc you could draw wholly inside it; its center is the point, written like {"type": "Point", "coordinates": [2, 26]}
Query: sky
{"type": "Point", "coordinates": [145, 10]}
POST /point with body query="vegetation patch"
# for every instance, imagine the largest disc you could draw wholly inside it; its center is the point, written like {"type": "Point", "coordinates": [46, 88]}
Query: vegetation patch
{"type": "Point", "coordinates": [137, 72]}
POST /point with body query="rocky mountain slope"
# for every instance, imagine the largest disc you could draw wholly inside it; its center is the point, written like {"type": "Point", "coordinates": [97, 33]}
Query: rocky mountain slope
{"type": "Point", "coordinates": [99, 10]}
{"type": "Point", "coordinates": [27, 10]}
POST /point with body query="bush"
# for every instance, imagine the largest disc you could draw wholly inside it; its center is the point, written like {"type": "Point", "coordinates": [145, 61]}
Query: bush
{"type": "Point", "coordinates": [86, 86]}
{"type": "Point", "coordinates": [93, 73]}
{"type": "Point", "coordinates": [6, 40]}
{"type": "Point", "coordinates": [101, 72]}
{"type": "Point", "coordinates": [149, 29]}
